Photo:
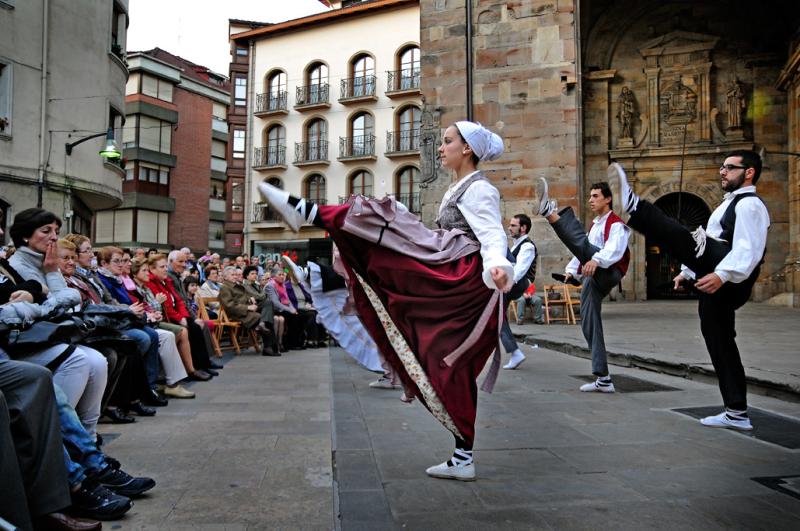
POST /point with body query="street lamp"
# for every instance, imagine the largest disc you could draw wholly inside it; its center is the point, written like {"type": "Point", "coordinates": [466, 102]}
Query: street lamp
{"type": "Point", "coordinates": [111, 151]}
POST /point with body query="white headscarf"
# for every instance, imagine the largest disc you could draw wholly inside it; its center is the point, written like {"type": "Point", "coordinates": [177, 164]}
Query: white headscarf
{"type": "Point", "coordinates": [485, 144]}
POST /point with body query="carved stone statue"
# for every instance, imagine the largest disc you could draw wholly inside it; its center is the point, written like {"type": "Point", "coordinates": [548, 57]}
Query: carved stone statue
{"type": "Point", "coordinates": [626, 108]}
{"type": "Point", "coordinates": [735, 104]}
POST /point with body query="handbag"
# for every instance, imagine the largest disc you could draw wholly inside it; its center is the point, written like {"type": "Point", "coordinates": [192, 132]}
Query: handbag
{"type": "Point", "coordinates": [44, 333]}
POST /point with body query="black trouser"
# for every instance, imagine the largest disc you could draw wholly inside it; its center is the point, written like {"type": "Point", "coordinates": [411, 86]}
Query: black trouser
{"type": "Point", "coordinates": [717, 310]}
{"type": "Point", "coordinates": [197, 342]}
{"type": "Point", "coordinates": [314, 331]}
{"type": "Point", "coordinates": [294, 335]}
{"type": "Point", "coordinates": [33, 479]}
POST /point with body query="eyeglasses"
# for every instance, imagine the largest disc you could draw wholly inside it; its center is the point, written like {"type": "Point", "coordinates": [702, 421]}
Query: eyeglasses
{"type": "Point", "coordinates": [731, 167]}
{"type": "Point", "coordinates": [86, 251]}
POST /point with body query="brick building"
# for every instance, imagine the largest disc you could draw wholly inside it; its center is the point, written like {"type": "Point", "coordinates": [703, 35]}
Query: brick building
{"type": "Point", "coordinates": [175, 142]}
{"type": "Point", "coordinates": [665, 88]}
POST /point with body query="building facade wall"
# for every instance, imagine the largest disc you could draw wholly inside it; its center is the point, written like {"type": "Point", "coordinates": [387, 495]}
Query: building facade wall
{"type": "Point", "coordinates": [335, 44]}
{"type": "Point", "coordinates": [85, 81]}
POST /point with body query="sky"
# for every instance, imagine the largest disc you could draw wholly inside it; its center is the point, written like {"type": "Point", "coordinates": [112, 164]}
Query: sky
{"type": "Point", "coordinates": [197, 30]}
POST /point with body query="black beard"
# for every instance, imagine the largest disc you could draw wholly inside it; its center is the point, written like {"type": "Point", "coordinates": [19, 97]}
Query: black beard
{"type": "Point", "coordinates": [733, 185]}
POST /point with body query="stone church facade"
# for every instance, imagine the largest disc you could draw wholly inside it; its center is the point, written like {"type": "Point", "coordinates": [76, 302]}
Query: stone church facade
{"type": "Point", "coordinates": [663, 88]}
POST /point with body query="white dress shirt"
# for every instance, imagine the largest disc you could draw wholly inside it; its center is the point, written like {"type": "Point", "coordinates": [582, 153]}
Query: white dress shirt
{"type": "Point", "coordinates": [480, 205]}
{"type": "Point", "coordinates": [749, 236]}
{"type": "Point", "coordinates": [527, 253]}
{"type": "Point", "coordinates": [611, 250]}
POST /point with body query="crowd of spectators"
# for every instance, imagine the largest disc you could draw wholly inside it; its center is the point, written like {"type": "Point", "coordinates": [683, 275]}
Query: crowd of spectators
{"type": "Point", "coordinates": [109, 335]}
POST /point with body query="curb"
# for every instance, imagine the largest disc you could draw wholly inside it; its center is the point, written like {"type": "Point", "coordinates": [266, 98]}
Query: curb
{"type": "Point", "coordinates": [639, 361]}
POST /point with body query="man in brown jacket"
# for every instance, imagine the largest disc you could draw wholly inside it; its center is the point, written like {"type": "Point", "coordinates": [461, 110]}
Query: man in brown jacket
{"type": "Point", "coordinates": [241, 307]}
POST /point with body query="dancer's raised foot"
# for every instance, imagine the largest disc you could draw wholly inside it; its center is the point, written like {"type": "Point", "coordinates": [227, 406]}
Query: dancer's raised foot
{"type": "Point", "coordinates": [547, 206]}
{"type": "Point", "coordinates": [628, 200]}
{"type": "Point", "coordinates": [295, 211]}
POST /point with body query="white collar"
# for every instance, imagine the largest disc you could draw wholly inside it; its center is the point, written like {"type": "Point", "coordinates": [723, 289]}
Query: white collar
{"type": "Point", "coordinates": [738, 191]}
{"type": "Point", "coordinates": [601, 219]}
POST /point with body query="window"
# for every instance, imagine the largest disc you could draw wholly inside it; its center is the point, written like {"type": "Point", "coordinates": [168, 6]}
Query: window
{"type": "Point", "coordinates": [132, 86]}
{"type": "Point", "coordinates": [216, 234]}
{"type": "Point", "coordinates": [409, 68]}
{"type": "Point", "coordinates": [156, 88]}
{"type": "Point", "coordinates": [361, 183]}
{"type": "Point", "coordinates": [276, 182]}
{"type": "Point", "coordinates": [276, 88]}
{"type": "Point", "coordinates": [152, 226]}
{"type": "Point", "coordinates": [317, 78]}
{"type": "Point", "coordinates": [129, 131]}
{"type": "Point", "coordinates": [241, 51]}
{"type": "Point", "coordinates": [130, 169]}
{"type": "Point", "coordinates": [362, 131]}
{"type": "Point", "coordinates": [408, 122]}
{"type": "Point", "coordinates": [219, 111]}
{"type": "Point", "coordinates": [218, 149]}
{"type": "Point", "coordinates": [6, 87]}
{"type": "Point", "coordinates": [316, 137]}
{"type": "Point", "coordinates": [240, 91]}
{"type": "Point", "coordinates": [154, 134]}
{"type": "Point", "coordinates": [408, 188]}
{"type": "Point", "coordinates": [237, 197]}
{"type": "Point", "coordinates": [276, 145]}
{"type": "Point", "coordinates": [363, 76]}
{"type": "Point", "coordinates": [315, 189]}
{"type": "Point", "coordinates": [150, 173]}
{"type": "Point", "coordinates": [238, 143]}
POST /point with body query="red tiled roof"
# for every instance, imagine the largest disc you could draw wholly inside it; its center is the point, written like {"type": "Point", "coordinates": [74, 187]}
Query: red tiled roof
{"type": "Point", "coordinates": [189, 69]}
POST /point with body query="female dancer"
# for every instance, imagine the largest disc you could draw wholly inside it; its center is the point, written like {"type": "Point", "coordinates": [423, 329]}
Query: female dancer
{"type": "Point", "coordinates": [422, 294]}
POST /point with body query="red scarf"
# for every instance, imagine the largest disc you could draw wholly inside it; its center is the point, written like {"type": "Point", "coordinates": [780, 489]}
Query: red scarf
{"type": "Point", "coordinates": [281, 289]}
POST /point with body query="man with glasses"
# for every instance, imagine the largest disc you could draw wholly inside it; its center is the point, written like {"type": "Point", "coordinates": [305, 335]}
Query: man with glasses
{"type": "Point", "coordinates": [723, 260]}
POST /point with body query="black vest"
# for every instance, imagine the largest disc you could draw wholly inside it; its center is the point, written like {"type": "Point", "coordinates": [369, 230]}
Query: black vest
{"type": "Point", "coordinates": [728, 224]}
{"type": "Point", "coordinates": [531, 274]}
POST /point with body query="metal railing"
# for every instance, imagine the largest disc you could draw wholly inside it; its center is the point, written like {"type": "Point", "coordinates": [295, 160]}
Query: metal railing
{"type": "Point", "coordinates": [405, 79]}
{"type": "Point", "coordinates": [263, 213]}
{"type": "Point", "coordinates": [269, 156]}
{"type": "Point", "coordinates": [358, 87]}
{"type": "Point", "coordinates": [270, 102]}
{"type": "Point", "coordinates": [311, 151]}
{"type": "Point", "coordinates": [356, 146]}
{"type": "Point", "coordinates": [411, 201]}
{"type": "Point", "coordinates": [399, 141]}
{"type": "Point", "coordinates": [312, 94]}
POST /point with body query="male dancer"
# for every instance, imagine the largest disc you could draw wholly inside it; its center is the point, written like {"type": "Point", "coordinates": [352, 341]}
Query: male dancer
{"type": "Point", "coordinates": [601, 257]}
{"type": "Point", "coordinates": [725, 260]}
{"type": "Point", "coordinates": [524, 252]}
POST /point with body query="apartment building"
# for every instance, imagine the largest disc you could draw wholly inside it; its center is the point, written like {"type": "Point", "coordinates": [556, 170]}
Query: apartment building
{"type": "Point", "coordinates": [333, 108]}
{"type": "Point", "coordinates": [175, 143]}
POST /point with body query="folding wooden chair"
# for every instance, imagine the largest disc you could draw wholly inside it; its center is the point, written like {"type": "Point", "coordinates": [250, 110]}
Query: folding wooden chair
{"type": "Point", "coordinates": [574, 297]}
{"type": "Point", "coordinates": [202, 313]}
{"type": "Point", "coordinates": [557, 296]}
{"type": "Point", "coordinates": [512, 312]}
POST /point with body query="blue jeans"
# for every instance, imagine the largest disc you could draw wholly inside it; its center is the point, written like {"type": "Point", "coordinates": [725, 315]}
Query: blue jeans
{"type": "Point", "coordinates": [147, 342]}
{"type": "Point", "coordinates": [80, 452]}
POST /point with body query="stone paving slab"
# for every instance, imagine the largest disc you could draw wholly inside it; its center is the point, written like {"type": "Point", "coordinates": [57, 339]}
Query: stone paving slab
{"type": "Point", "coordinates": [665, 336]}
{"type": "Point", "coordinates": [252, 451]}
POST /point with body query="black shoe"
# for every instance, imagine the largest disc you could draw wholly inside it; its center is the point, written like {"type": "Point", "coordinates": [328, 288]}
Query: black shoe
{"type": "Point", "coordinates": [94, 501]}
{"type": "Point", "coordinates": [200, 376]}
{"type": "Point", "coordinates": [123, 483]}
{"type": "Point", "coordinates": [214, 365]}
{"type": "Point", "coordinates": [153, 399]}
{"type": "Point", "coordinates": [118, 417]}
{"type": "Point", "coordinates": [268, 351]}
{"type": "Point", "coordinates": [563, 278]}
{"type": "Point", "coordinates": [211, 372]}
{"type": "Point", "coordinates": [141, 410]}
{"type": "Point", "coordinates": [110, 461]}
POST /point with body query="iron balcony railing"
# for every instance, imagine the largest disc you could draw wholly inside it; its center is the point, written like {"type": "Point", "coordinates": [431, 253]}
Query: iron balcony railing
{"type": "Point", "coordinates": [271, 102]}
{"type": "Point", "coordinates": [399, 141]}
{"type": "Point", "coordinates": [269, 156]}
{"type": "Point", "coordinates": [411, 201]}
{"type": "Point", "coordinates": [313, 94]}
{"type": "Point", "coordinates": [263, 213]}
{"type": "Point", "coordinates": [405, 79]}
{"type": "Point", "coordinates": [311, 151]}
{"type": "Point", "coordinates": [358, 87]}
{"type": "Point", "coordinates": [356, 146]}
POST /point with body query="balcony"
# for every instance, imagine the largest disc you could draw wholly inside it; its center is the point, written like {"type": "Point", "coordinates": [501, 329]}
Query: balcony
{"type": "Point", "coordinates": [218, 165]}
{"type": "Point", "coordinates": [271, 104]}
{"type": "Point", "coordinates": [312, 97]}
{"type": "Point", "coordinates": [219, 125]}
{"type": "Point", "coordinates": [309, 153]}
{"type": "Point", "coordinates": [269, 158]}
{"type": "Point", "coordinates": [216, 205]}
{"type": "Point", "coordinates": [411, 201]}
{"type": "Point", "coordinates": [402, 143]}
{"type": "Point", "coordinates": [262, 213]}
{"type": "Point", "coordinates": [400, 83]}
{"type": "Point", "coordinates": [358, 89]}
{"type": "Point", "coordinates": [353, 148]}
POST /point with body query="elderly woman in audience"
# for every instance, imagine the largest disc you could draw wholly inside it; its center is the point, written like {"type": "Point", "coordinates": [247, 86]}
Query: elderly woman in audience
{"type": "Point", "coordinates": [143, 294]}
{"type": "Point", "coordinates": [174, 311]}
{"type": "Point", "coordinates": [288, 327]}
{"type": "Point", "coordinates": [210, 289]}
{"type": "Point", "coordinates": [82, 375]}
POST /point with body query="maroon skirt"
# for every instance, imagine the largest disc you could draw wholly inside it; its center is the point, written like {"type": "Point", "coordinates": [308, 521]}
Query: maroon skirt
{"type": "Point", "coordinates": [434, 307]}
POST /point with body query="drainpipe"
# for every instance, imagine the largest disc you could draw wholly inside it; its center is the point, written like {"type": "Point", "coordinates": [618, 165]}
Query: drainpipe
{"type": "Point", "coordinates": [43, 104]}
{"type": "Point", "coordinates": [579, 106]}
{"type": "Point", "coordinates": [468, 5]}
{"type": "Point", "coordinates": [248, 146]}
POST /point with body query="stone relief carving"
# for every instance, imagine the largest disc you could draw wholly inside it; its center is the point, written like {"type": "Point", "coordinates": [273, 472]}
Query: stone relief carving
{"type": "Point", "coordinates": [429, 137]}
{"type": "Point", "coordinates": [678, 103]}
{"type": "Point", "coordinates": [735, 104]}
{"type": "Point", "coordinates": [626, 112]}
